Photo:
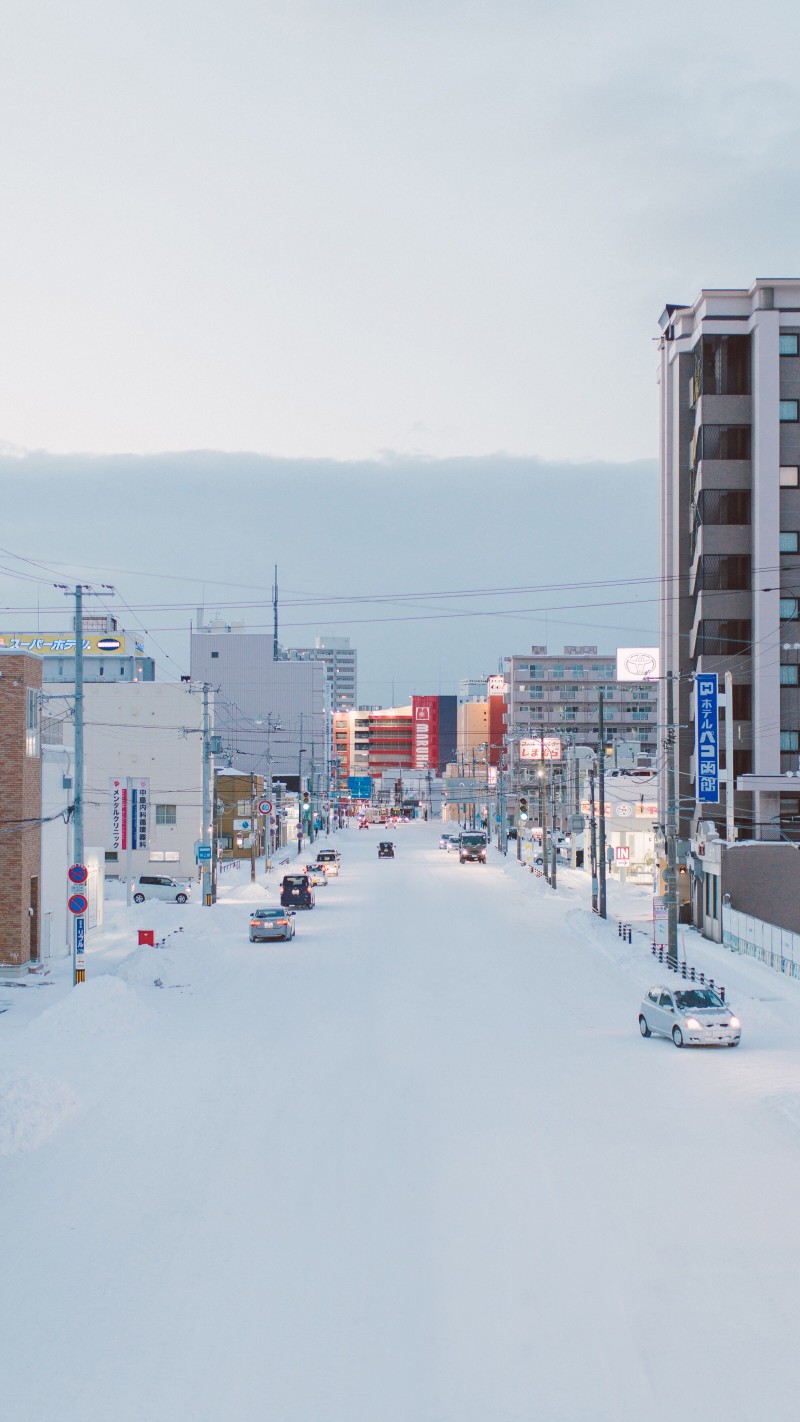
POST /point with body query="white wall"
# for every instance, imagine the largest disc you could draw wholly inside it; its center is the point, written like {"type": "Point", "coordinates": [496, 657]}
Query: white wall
{"type": "Point", "coordinates": [144, 729]}
{"type": "Point", "coordinates": [54, 936]}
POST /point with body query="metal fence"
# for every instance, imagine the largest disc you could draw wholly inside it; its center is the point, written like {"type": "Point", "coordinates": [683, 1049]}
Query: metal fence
{"type": "Point", "coordinates": [776, 947]}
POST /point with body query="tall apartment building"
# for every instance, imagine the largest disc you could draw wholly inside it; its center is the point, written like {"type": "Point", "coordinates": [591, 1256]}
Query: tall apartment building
{"type": "Point", "coordinates": [729, 444]}
{"type": "Point", "coordinates": [559, 694]}
{"type": "Point", "coordinates": [341, 663]}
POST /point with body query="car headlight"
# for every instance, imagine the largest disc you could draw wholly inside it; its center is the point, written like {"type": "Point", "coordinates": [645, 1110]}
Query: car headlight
{"type": "Point", "coordinates": [734, 1022]}
{"type": "Point", "coordinates": [693, 1023]}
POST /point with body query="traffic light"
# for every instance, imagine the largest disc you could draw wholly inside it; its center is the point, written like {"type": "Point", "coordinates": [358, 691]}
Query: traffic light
{"type": "Point", "coordinates": [523, 807]}
{"type": "Point", "coordinates": [306, 806]}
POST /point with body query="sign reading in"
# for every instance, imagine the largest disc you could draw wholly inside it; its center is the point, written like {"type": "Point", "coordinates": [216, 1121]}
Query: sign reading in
{"type": "Point", "coordinates": [542, 748]}
{"type": "Point", "coordinates": [623, 854]}
{"type": "Point", "coordinates": [707, 742]}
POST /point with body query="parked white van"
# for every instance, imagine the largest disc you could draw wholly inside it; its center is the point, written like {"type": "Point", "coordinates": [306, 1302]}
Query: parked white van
{"type": "Point", "coordinates": [160, 886]}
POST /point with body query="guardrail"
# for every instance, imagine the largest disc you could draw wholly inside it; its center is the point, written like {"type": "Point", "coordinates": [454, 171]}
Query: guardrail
{"type": "Point", "coordinates": [683, 969]}
{"type": "Point", "coordinates": [754, 938]}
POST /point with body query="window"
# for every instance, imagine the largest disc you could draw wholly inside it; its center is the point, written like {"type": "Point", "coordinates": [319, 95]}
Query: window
{"type": "Point", "coordinates": [742, 701]}
{"type": "Point", "coordinates": [790, 740]}
{"type": "Point", "coordinates": [788, 412]}
{"type": "Point", "coordinates": [788, 345]}
{"type": "Point", "coordinates": [31, 721]}
{"type": "Point", "coordinates": [788, 609]}
{"type": "Point", "coordinates": [788, 476]}
{"type": "Point", "coordinates": [789, 674]}
{"type": "Point", "coordinates": [725, 441]}
{"type": "Point", "coordinates": [788, 542]}
{"type": "Point", "coordinates": [724, 506]}
{"type": "Point", "coordinates": [166, 814]}
{"type": "Point", "coordinates": [576, 670]}
{"type": "Point", "coordinates": [112, 856]}
{"type": "Point", "coordinates": [162, 856]}
{"type": "Point", "coordinates": [724, 637]}
{"type": "Point", "coordinates": [214, 654]}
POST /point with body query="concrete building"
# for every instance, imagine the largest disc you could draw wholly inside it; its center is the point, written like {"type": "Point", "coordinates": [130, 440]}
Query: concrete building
{"type": "Point", "coordinates": [472, 734]}
{"type": "Point", "coordinates": [471, 688]}
{"type": "Point", "coordinates": [20, 809]}
{"type": "Point", "coordinates": [341, 663]}
{"type": "Point", "coordinates": [385, 741]}
{"type": "Point", "coordinates": [108, 654]}
{"type": "Point", "coordinates": [729, 439]}
{"type": "Point", "coordinates": [265, 707]}
{"type": "Point", "coordinates": [148, 731]}
{"type": "Point", "coordinates": [559, 694]}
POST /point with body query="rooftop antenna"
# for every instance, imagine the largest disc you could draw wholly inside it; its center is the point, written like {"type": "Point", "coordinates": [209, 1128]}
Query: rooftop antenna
{"type": "Point", "coordinates": [275, 616]}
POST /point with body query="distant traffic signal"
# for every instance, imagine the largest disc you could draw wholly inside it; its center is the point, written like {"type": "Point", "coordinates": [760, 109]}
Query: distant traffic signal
{"type": "Point", "coordinates": [523, 807]}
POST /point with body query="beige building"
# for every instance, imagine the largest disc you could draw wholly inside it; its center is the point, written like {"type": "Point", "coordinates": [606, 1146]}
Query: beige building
{"type": "Point", "coordinates": [472, 731]}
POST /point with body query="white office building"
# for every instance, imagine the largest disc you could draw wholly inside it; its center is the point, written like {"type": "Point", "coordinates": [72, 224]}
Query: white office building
{"type": "Point", "coordinates": [729, 378]}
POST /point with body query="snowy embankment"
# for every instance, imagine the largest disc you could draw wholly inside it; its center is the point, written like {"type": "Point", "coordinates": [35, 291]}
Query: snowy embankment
{"type": "Point", "coordinates": [417, 1163]}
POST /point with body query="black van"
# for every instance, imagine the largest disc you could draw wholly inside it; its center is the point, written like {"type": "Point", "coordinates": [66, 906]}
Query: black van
{"type": "Point", "coordinates": [296, 891]}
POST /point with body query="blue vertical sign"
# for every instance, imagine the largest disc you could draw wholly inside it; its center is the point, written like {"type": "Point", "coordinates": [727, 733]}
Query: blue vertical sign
{"type": "Point", "coordinates": [707, 722]}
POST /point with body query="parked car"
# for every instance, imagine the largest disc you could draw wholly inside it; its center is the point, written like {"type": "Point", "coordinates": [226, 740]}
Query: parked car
{"type": "Point", "coordinates": [386, 849]}
{"type": "Point", "coordinates": [297, 892]}
{"type": "Point", "coordinates": [691, 1015]}
{"type": "Point", "coordinates": [270, 923]}
{"type": "Point", "coordinates": [160, 886]}
{"type": "Point", "coordinates": [472, 847]}
{"type": "Point", "coordinates": [316, 874]}
{"type": "Point", "coordinates": [329, 860]}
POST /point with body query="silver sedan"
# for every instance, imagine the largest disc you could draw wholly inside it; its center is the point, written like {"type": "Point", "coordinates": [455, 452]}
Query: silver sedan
{"type": "Point", "coordinates": [269, 923]}
{"type": "Point", "coordinates": [692, 1016]}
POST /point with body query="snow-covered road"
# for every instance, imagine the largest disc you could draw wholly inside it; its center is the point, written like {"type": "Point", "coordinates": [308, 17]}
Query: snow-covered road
{"type": "Point", "coordinates": [415, 1166]}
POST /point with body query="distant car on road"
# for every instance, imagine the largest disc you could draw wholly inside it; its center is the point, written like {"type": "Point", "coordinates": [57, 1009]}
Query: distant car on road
{"type": "Point", "coordinates": [316, 874]}
{"type": "Point", "coordinates": [448, 841]}
{"type": "Point", "coordinates": [296, 891]}
{"type": "Point", "coordinates": [691, 1015]}
{"type": "Point", "coordinates": [472, 847]}
{"type": "Point", "coordinates": [160, 886]}
{"type": "Point", "coordinates": [329, 860]}
{"type": "Point", "coordinates": [386, 849]}
{"type": "Point", "coordinates": [267, 924]}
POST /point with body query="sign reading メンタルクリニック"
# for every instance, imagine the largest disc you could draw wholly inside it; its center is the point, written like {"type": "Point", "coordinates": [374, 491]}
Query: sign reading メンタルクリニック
{"type": "Point", "coordinates": [707, 742]}
{"type": "Point", "coordinates": [135, 815]}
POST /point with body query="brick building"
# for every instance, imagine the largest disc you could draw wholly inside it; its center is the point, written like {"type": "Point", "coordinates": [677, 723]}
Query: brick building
{"type": "Point", "coordinates": [20, 809]}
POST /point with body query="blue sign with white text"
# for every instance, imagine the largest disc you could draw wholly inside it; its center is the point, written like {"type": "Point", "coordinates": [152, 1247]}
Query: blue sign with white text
{"type": "Point", "coordinates": [707, 744]}
{"type": "Point", "coordinates": [360, 787]}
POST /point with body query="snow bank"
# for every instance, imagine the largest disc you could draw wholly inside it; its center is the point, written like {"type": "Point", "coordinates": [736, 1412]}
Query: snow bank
{"type": "Point", "coordinates": [32, 1107]}
{"type": "Point", "coordinates": [102, 1006]}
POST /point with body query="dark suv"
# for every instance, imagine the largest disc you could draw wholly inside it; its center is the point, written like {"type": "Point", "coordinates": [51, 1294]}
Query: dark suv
{"type": "Point", "coordinates": [386, 849]}
{"type": "Point", "coordinates": [472, 848]}
{"type": "Point", "coordinates": [296, 891]}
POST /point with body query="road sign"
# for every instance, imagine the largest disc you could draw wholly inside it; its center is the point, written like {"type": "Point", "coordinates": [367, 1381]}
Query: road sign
{"type": "Point", "coordinates": [77, 874]}
{"type": "Point", "coordinates": [77, 903]}
{"type": "Point", "coordinates": [243, 826]}
{"type": "Point", "coordinates": [203, 853]}
{"type": "Point", "coordinates": [265, 807]}
{"type": "Point", "coordinates": [623, 854]}
{"type": "Point", "coordinates": [578, 824]}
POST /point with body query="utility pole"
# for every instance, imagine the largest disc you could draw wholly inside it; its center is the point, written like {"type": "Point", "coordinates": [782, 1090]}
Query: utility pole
{"type": "Point", "coordinates": [601, 784]}
{"type": "Point", "coordinates": [593, 839]}
{"type": "Point", "coordinates": [208, 837]}
{"type": "Point", "coordinates": [543, 818]}
{"type": "Point", "coordinates": [730, 829]}
{"type": "Point", "coordinates": [253, 822]}
{"type": "Point", "coordinates": [79, 926]}
{"type": "Point", "coordinates": [671, 830]}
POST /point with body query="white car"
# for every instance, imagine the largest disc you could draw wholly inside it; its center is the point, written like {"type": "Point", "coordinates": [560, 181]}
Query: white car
{"type": "Point", "coordinates": [691, 1015]}
{"type": "Point", "coordinates": [160, 886]}
{"type": "Point", "coordinates": [317, 873]}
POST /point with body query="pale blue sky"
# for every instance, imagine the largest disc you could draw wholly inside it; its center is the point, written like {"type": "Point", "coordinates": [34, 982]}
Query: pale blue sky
{"type": "Point", "coordinates": [336, 227]}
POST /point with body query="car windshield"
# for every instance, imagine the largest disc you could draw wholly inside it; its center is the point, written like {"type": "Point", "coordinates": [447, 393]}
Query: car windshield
{"type": "Point", "coordinates": [473, 839]}
{"type": "Point", "coordinates": [295, 881]}
{"type": "Point", "coordinates": [268, 913]}
{"type": "Point", "coordinates": [697, 998]}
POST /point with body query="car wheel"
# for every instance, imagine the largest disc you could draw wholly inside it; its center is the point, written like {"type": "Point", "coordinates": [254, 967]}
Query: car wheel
{"type": "Point", "coordinates": [643, 1027]}
{"type": "Point", "coordinates": [252, 939]}
{"type": "Point", "coordinates": [180, 898]}
{"type": "Point", "coordinates": [677, 1036]}
{"type": "Point", "coordinates": [138, 898]}
{"type": "Point", "coordinates": [733, 1044]}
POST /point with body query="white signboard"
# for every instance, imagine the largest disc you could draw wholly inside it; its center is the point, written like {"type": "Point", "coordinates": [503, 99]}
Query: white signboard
{"type": "Point", "coordinates": [542, 748]}
{"type": "Point", "coordinates": [623, 854]}
{"type": "Point", "coordinates": [495, 686]}
{"type": "Point", "coordinates": [637, 664]}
